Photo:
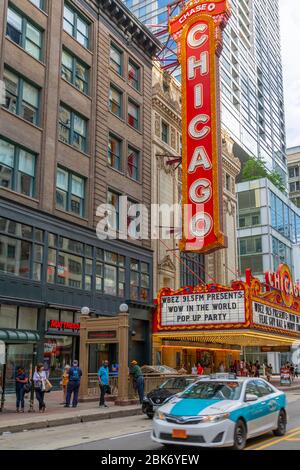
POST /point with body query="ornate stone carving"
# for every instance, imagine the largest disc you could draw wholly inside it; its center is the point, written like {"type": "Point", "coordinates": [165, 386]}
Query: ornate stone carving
{"type": "Point", "coordinates": [167, 265]}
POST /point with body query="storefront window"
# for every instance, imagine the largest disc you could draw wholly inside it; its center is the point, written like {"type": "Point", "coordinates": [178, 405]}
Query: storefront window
{"type": "Point", "coordinates": [27, 318]}
{"type": "Point", "coordinates": [18, 355]}
{"type": "Point", "coordinates": [51, 314]}
{"type": "Point", "coordinates": [8, 316]}
{"type": "Point", "coordinates": [58, 352]}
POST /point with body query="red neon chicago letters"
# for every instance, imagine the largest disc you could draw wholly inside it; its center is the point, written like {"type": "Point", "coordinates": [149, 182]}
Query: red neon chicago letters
{"type": "Point", "coordinates": [199, 47]}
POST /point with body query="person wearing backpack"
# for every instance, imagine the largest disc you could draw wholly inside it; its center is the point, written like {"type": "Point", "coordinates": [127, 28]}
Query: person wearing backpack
{"type": "Point", "coordinates": [75, 374]}
{"type": "Point", "coordinates": [21, 380]}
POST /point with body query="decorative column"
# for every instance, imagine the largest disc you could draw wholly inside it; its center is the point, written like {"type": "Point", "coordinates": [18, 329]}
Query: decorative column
{"type": "Point", "coordinates": [123, 332]}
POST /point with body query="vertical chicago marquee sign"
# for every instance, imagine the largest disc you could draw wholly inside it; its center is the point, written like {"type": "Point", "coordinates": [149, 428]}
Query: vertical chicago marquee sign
{"type": "Point", "coordinates": [198, 33]}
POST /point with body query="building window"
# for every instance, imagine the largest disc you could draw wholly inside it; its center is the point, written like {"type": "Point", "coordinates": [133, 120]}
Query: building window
{"type": "Point", "coordinates": [75, 72]}
{"type": "Point", "coordinates": [70, 192]}
{"type": "Point", "coordinates": [24, 33]}
{"type": "Point", "coordinates": [72, 129]}
{"type": "Point", "coordinates": [191, 269]}
{"type": "Point", "coordinates": [110, 273]}
{"type": "Point", "coordinates": [133, 163]}
{"type": "Point", "coordinates": [21, 97]}
{"type": "Point", "coordinates": [116, 101]}
{"type": "Point", "coordinates": [21, 250]}
{"type": "Point", "coordinates": [165, 132]}
{"type": "Point", "coordinates": [17, 168]}
{"type": "Point", "coordinates": [76, 26]}
{"type": "Point", "coordinates": [116, 59]}
{"type": "Point", "coordinates": [294, 172]}
{"type": "Point", "coordinates": [115, 152]}
{"type": "Point", "coordinates": [249, 219]}
{"type": "Point", "coordinates": [139, 280]}
{"type": "Point", "coordinates": [254, 262]}
{"type": "Point", "coordinates": [228, 182]}
{"type": "Point", "coordinates": [38, 3]}
{"type": "Point", "coordinates": [134, 75]}
{"type": "Point", "coordinates": [281, 253]}
{"type": "Point", "coordinates": [133, 212]}
{"type": "Point", "coordinates": [133, 115]}
{"type": "Point", "coordinates": [249, 199]}
{"type": "Point", "coordinates": [70, 263]}
{"type": "Point", "coordinates": [295, 186]}
{"type": "Point", "coordinates": [250, 245]}
{"type": "Point", "coordinates": [113, 200]}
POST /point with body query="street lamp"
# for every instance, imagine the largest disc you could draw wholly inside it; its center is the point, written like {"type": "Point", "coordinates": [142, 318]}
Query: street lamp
{"type": "Point", "coordinates": [123, 308]}
{"type": "Point", "coordinates": [85, 311]}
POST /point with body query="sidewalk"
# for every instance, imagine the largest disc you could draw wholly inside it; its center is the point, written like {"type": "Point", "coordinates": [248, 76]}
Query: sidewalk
{"type": "Point", "coordinates": [57, 415]}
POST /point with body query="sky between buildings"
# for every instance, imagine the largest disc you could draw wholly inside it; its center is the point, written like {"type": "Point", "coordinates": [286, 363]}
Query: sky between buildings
{"type": "Point", "coordinates": [290, 39]}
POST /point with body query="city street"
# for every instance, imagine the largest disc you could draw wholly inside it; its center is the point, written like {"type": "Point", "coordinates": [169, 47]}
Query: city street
{"type": "Point", "coordinates": [134, 434]}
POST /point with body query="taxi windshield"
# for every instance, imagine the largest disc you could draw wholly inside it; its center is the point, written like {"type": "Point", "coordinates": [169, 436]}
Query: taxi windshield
{"type": "Point", "coordinates": [214, 391]}
{"type": "Point", "coordinates": [178, 383]}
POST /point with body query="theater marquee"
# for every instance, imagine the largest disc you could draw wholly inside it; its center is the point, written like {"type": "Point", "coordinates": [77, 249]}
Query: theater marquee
{"type": "Point", "coordinates": [198, 33]}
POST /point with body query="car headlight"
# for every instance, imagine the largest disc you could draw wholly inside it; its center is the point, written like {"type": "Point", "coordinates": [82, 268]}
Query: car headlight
{"type": "Point", "coordinates": [217, 418]}
{"type": "Point", "coordinates": [160, 415]}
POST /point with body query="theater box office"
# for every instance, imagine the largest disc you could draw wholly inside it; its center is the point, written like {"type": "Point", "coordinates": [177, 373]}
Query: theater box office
{"type": "Point", "coordinates": [214, 324]}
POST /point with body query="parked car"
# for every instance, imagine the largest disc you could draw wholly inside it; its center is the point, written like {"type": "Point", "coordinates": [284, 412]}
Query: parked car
{"type": "Point", "coordinates": [158, 370]}
{"type": "Point", "coordinates": [161, 394]}
{"type": "Point", "coordinates": [221, 412]}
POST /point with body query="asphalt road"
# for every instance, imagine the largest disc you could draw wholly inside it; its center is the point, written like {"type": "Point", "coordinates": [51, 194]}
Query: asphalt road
{"type": "Point", "coordinates": [133, 433]}
{"type": "Point", "coordinates": [141, 440]}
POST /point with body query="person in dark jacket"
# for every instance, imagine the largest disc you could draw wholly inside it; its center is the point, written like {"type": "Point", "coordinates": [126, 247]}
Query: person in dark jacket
{"type": "Point", "coordinates": [21, 380]}
{"type": "Point", "coordinates": [138, 380]}
{"type": "Point", "coordinates": [75, 374]}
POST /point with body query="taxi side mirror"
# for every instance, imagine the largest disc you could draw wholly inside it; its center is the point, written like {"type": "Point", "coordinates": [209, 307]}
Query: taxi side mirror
{"type": "Point", "coordinates": [250, 397]}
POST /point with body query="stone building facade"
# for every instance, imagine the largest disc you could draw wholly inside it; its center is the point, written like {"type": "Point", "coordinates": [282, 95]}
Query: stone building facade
{"type": "Point", "coordinates": [75, 133]}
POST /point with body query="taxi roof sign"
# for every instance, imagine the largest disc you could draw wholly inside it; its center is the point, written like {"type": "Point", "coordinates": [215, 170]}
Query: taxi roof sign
{"type": "Point", "coordinates": [224, 375]}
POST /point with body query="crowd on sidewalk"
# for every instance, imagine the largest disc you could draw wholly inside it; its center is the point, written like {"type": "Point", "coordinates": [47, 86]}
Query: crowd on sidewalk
{"type": "Point", "coordinates": [70, 384]}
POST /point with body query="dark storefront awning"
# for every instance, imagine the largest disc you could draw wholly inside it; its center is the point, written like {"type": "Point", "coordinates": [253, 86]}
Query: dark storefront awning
{"type": "Point", "coordinates": [13, 336]}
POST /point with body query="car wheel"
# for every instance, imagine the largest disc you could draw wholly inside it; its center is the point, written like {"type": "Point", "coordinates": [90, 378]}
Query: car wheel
{"type": "Point", "coordinates": [281, 424]}
{"type": "Point", "coordinates": [150, 415]}
{"type": "Point", "coordinates": [240, 435]}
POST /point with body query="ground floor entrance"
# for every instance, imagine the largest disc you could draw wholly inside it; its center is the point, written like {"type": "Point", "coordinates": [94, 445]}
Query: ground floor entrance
{"type": "Point", "coordinates": [221, 350]}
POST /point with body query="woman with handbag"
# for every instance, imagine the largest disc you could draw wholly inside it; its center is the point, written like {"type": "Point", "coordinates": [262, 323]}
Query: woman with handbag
{"type": "Point", "coordinates": [21, 381]}
{"type": "Point", "coordinates": [40, 380]}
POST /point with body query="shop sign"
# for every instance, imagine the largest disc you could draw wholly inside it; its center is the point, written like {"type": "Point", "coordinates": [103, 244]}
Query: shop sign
{"type": "Point", "coordinates": [198, 33]}
{"type": "Point", "coordinates": [268, 316]}
{"type": "Point", "coordinates": [213, 308]}
{"type": "Point", "coordinates": [2, 353]}
{"type": "Point", "coordinates": [63, 325]}
{"type": "Point", "coordinates": [102, 334]}
{"type": "Point", "coordinates": [275, 348]}
{"type": "Point", "coordinates": [282, 280]}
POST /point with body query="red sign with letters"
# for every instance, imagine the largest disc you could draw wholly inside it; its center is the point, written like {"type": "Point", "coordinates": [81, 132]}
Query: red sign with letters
{"type": "Point", "coordinates": [198, 32]}
{"type": "Point", "coordinates": [63, 325]}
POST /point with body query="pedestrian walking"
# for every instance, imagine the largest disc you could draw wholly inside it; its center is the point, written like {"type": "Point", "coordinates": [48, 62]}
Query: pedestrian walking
{"type": "Point", "coordinates": [75, 374]}
{"type": "Point", "coordinates": [40, 380]}
{"type": "Point", "coordinates": [138, 379]}
{"type": "Point", "coordinates": [257, 369]}
{"type": "Point", "coordinates": [103, 380]}
{"type": "Point", "coordinates": [21, 380]}
{"type": "Point", "coordinates": [221, 367]}
{"type": "Point", "coordinates": [194, 370]}
{"type": "Point", "coordinates": [200, 369]}
{"type": "Point", "coordinates": [64, 383]}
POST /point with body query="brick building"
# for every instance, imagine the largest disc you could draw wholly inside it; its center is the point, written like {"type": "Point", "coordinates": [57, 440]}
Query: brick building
{"type": "Point", "coordinates": [75, 133]}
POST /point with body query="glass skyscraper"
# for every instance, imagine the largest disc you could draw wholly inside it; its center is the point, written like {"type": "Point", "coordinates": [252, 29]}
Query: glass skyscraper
{"type": "Point", "coordinates": [251, 76]}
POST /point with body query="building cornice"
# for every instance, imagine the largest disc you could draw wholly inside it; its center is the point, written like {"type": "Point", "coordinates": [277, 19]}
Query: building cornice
{"type": "Point", "coordinates": [135, 31]}
{"type": "Point", "coordinates": [160, 104]}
